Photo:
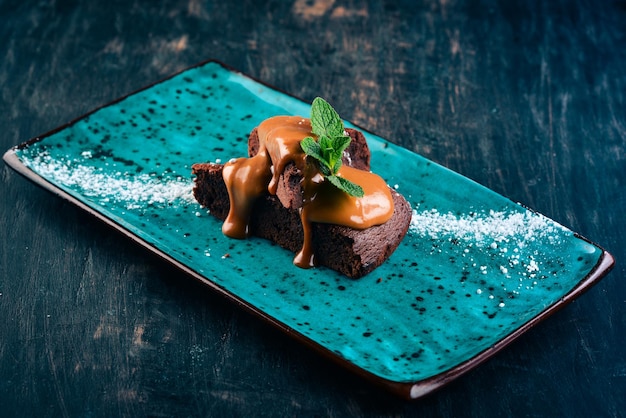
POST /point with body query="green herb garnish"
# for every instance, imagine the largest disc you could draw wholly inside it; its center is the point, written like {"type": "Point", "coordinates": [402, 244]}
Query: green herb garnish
{"type": "Point", "coordinates": [331, 142]}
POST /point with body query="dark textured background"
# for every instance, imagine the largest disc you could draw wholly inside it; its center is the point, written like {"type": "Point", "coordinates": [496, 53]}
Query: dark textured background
{"type": "Point", "coordinates": [525, 97]}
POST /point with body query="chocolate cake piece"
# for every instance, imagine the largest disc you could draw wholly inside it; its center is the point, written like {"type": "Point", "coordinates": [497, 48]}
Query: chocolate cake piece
{"type": "Point", "coordinates": [353, 252]}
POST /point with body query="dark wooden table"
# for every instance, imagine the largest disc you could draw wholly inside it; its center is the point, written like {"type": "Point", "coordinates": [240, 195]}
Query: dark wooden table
{"type": "Point", "coordinates": [525, 97]}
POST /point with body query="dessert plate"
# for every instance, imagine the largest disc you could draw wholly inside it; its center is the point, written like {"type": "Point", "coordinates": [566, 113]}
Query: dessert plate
{"type": "Point", "coordinates": [475, 271]}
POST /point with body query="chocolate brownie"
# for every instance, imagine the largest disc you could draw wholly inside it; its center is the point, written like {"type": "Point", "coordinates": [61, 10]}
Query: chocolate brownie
{"type": "Point", "coordinates": [353, 252]}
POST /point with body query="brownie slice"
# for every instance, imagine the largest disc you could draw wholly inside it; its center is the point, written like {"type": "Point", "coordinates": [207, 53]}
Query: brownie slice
{"type": "Point", "coordinates": [350, 251]}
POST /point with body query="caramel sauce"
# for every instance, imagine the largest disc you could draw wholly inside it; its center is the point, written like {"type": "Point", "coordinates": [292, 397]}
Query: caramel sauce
{"type": "Point", "coordinates": [279, 144]}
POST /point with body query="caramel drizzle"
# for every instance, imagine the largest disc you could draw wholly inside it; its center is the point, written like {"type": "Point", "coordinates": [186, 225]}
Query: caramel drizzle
{"type": "Point", "coordinates": [279, 144]}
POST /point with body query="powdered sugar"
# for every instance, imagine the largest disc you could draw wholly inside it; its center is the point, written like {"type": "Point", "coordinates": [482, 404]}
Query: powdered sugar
{"type": "Point", "coordinates": [501, 243]}
{"type": "Point", "coordinates": [133, 191]}
{"type": "Point", "coordinates": [491, 228]}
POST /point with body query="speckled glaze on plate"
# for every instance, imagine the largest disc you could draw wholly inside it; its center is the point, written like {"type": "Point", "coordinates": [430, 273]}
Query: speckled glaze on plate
{"type": "Point", "coordinates": [474, 272]}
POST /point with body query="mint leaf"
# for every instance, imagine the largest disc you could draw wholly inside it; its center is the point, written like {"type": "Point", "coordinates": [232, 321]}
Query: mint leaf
{"type": "Point", "coordinates": [338, 145]}
{"type": "Point", "coordinates": [336, 166]}
{"type": "Point", "coordinates": [324, 119]}
{"type": "Point", "coordinates": [326, 146]}
{"type": "Point", "coordinates": [325, 169]}
{"type": "Point", "coordinates": [346, 185]}
{"type": "Point", "coordinates": [330, 145]}
{"type": "Point", "coordinates": [312, 148]}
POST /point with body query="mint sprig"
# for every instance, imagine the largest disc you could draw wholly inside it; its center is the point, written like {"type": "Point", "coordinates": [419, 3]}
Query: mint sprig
{"type": "Point", "coordinates": [328, 149]}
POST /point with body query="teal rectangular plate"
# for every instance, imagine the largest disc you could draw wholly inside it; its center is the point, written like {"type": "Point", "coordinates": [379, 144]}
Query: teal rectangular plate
{"type": "Point", "coordinates": [475, 271]}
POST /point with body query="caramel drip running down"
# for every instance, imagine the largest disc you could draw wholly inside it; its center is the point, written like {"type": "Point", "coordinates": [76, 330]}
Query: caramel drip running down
{"type": "Point", "coordinates": [249, 178]}
{"type": "Point", "coordinates": [279, 144]}
{"type": "Point", "coordinates": [324, 203]}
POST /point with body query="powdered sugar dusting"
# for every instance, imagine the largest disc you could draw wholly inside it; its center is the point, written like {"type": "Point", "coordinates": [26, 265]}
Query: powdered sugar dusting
{"type": "Point", "coordinates": [133, 191]}
{"type": "Point", "coordinates": [494, 227]}
{"type": "Point", "coordinates": [501, 243]}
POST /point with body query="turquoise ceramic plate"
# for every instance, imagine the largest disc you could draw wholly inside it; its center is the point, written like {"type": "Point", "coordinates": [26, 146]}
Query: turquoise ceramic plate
{"type": "Point", "coordinates": [474, 272]}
